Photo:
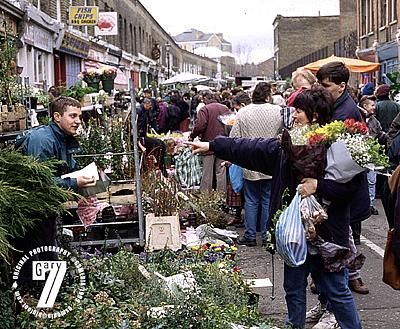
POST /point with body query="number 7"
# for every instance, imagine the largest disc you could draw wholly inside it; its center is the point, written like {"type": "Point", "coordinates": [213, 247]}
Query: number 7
{"type": "Point", "coordinates": [57, 270]}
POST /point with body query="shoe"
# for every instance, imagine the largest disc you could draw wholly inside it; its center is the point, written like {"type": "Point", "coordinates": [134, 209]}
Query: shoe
{"type": "Point", "coordinates": [357, 240]}
{"type": "Point", "coordinates": [313, 315]}
{"type": "Point", "coordinates": [358, 286]}
{"type": "Point", "coordinates": [247, 242]}
{"type": "Point", "coordinates": [374, 211]}
{"type": "Point", "coordinates": [327, 321]}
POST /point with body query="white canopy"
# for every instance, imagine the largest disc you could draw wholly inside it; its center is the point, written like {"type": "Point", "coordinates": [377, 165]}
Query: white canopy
{"type": "Point", "coordinates": [186, 78]}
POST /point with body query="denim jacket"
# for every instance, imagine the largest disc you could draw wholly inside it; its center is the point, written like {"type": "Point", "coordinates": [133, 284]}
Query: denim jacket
{"type": "Point", "coordinates": [51, 142]}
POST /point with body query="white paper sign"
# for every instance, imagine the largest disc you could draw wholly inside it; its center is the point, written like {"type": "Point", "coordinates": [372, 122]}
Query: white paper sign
{"type": "Point", "coordinates": [107, 24]}
{"type": "Point", "coordinates": [89, 171]}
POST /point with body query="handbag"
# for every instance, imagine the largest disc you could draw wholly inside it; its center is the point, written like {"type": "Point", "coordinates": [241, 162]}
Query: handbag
{"type": "Point", "coordinates": [391, 272]}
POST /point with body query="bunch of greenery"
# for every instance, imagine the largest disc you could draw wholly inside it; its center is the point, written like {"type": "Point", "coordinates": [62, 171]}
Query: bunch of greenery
{"type": "Point", "coordinates": [213, 205]}
{"type": "Point", "coordinates": [120, 296]}
{"type": "Point", "coordinates": [159, 195]}
{"type": "Point", "coordinates": [8, 78]}
{"type": "Point", "coordinates": [28, 193]}
{"type": "Point", "coordinates": [100, 139]}
{"type": "Point", "coordinates": [77, 91]}
{"type": "Point", "coordinates": [395, 83]}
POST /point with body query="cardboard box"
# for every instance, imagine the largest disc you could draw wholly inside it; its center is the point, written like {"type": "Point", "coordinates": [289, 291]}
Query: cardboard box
{"type": "Point", "coordinates": [162, 233]}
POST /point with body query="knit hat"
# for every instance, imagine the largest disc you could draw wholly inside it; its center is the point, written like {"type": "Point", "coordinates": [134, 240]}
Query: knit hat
{"type": "Point", "coordinates": [383, 90]}
{"type": "Point", "coordinates": [368, 89]}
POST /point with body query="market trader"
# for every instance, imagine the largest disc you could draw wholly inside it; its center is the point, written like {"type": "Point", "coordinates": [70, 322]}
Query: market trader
{"type": "Point", "coordinates": [54, 141]}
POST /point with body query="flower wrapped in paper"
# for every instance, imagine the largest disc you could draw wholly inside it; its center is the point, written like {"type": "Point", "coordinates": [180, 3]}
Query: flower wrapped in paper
{"type": "Point", "coordinates": [307, 160]}
{"type": "Point", "coordinates": [350, 150]}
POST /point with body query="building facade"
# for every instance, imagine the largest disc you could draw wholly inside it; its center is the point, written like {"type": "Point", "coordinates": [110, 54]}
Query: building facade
{"type": "Point", "coordinates": [378, 34]}
{"type": "Point", "coordinates": [142, 49]}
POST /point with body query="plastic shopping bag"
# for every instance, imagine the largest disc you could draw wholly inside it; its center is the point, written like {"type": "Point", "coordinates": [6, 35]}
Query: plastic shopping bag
{"type": "Point", "coordinates": [312, 213]}
{"type": "Point", "coordinates": [291, 242]}
{"type": "Point", "coordinates": [236, 177]}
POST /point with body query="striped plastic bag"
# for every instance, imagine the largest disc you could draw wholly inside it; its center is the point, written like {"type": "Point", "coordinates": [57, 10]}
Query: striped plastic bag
{"type": "Point", "coordinates": [291, 242]}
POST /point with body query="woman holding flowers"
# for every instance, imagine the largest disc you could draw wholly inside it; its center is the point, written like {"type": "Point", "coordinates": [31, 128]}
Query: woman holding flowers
{"type": "Point", "coordinates": [271, 157]}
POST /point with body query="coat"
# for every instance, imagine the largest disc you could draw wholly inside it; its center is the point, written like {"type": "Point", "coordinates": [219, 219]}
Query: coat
{"type": "Point", "coordinates": [51, 142]}
{"type": "Point", "coordinates": [267, 156]}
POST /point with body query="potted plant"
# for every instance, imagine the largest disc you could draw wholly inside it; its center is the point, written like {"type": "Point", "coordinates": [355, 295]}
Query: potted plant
{"type": "Point", "coordinates": [107, 78]}
{"type": "Point", "coordinates": [92, 77]}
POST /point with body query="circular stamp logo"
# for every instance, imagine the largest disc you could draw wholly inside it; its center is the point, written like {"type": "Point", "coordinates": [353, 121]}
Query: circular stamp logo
{"type": "Point", "coordinates": [47, 277]}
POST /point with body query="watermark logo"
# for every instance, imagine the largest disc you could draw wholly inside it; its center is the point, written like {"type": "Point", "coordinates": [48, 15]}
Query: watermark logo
{"type": "Point", "coordinates": [52, 272]}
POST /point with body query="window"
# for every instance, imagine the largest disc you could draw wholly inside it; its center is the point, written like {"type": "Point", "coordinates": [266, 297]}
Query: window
{"type": "Point", "coordinates": [383, 11]}
{"type": "Point", "coordinates": [363, 19]}
{"type": "Point", "coordinates": [59, 10]}
{"type": "Point", "coordinates": [393, 11]}
{"type": "Point", "coordinates": [40, 66]}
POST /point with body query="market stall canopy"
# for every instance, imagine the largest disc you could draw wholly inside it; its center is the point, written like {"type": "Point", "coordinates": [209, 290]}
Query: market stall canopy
{"type": "Point", "coordinates": [186, 78]}
{"type": "Point", "coordinates": [202, 87]}
{"type": "Point", "coordinates": [354, 65]}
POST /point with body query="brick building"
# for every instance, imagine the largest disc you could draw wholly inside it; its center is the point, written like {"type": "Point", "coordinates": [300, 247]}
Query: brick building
{"type": "Point", "coordinates": [295, 37]}
{"type": "Point", "coordinates": [301, 40]}
{"type": "Point", "coordinates": [378, 34]}
{"type": "Point", "coordinates": [142, 49]}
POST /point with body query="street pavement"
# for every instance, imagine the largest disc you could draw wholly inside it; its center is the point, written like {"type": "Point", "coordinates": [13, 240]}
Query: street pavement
{"type": "Point", "coordinates": [379, 309]}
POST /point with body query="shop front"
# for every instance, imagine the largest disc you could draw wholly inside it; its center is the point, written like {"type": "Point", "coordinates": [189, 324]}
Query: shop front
{"type": "Point", "coordinates": [388, 58]}
{"type": "Point", "coordinates": [68, 59]}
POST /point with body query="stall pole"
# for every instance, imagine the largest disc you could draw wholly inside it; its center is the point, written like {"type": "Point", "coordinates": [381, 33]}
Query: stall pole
{"type": "Point", "coordinates": [138, 181]}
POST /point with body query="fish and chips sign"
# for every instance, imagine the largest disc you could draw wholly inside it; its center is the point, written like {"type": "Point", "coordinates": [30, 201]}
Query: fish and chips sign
{"type": "Point", "coordinates": [83, 15]}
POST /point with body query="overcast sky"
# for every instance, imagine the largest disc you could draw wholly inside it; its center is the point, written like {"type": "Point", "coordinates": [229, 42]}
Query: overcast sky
{"type": "Point", "coordinates": [247, 23]}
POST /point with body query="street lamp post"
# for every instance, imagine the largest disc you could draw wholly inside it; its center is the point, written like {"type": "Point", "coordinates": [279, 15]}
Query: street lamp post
{"type": "Point", "coordinates": [167, 48]}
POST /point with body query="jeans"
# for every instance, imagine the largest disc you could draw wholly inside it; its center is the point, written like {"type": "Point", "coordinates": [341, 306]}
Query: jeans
{"type": "Point", "coordinates": [256, 193]}
{"type": "Point", "coordinates": [333, 285]}
{"type": "Point", "coordinates": [371, 176]}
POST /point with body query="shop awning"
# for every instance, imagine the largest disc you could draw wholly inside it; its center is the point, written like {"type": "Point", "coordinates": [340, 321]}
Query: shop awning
{"type": "Point", "coordinates": [186, 78]}
{"type": "Point", "coordinates": [354, 65]}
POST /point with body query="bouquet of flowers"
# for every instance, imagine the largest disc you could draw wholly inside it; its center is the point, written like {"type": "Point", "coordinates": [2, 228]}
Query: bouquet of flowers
{"type": "Point", "coordinates": [109, 73]}
{"type": "Point", "coordinates": [91, 75]}
{"type": "Point", "coordinates": [350, 149]}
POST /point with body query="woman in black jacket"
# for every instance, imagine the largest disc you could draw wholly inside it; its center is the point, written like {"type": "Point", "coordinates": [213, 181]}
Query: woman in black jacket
{"type": "Point", "coordinates": [267, 156]}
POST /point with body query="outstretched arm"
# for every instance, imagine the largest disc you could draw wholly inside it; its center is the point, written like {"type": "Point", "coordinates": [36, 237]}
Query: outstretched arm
{"type": "Point", "coordinates": [259, 154]}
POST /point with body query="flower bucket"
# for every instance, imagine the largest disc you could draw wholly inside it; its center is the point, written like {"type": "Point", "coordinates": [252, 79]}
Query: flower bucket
{"type": "Point", "coordinates": [108, 85]}
{"type": "Point", "coordinates": [94, 85]}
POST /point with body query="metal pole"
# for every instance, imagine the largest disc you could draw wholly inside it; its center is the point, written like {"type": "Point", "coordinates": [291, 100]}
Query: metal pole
{"type": "Point", "coordinates": [137, 165]}
{"type": "Point", "coordinates": [168, 65]}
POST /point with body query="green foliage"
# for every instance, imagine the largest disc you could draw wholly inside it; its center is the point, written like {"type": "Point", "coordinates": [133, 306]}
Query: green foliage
{"type": "Point", "coordinates": [8, 78]}
{"type": "Point", "coordinates": [28, 193]}
{"type": "Point", "coordinates": [395, 86]}
{"type": "Point", "coordinates": [213, 204]}
{"type": "Point", "coordinates": [270, 237]}
{"type": "Point", "coordinates": [77, 91]}
{"type": "Point", "coordinates": [118, 293]}
{"type": "Point", "coordinates": [100, 139]}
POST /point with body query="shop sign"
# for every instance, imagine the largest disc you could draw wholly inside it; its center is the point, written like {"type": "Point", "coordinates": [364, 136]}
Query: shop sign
{"type": "Point", "coordinates": [83, 15]}
{"type": "Point", "coordinates": [38, 37]}
{"type": "Point", "coordinates": [10, 23]}
{"type": "Point", "coordinates": [108, 24]}
{"type": "Point", "coordinates": [112, 59]}
{"type": "Point", "coordinates": [96, 55]}
{"type": "Point", "coordinates": [73, 45]}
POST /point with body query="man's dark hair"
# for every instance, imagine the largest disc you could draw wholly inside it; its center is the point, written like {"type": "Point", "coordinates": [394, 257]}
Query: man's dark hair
{"type": "Point", "coordinates": [60, 104]}
{"type": "Point", "coordinates": [261, 92]}
{"type": "Point", "coordinates": [241, 98]}
{"type": "Point", "coordinates": [316, 100]}
{"type": "Point", "coordinates": [208, 97]}
{"type": "Point", "coordinates": [336, 72]}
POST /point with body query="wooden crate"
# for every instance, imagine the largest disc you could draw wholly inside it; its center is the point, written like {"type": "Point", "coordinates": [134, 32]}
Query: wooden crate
{"type": "Point", "coordinates": [12, 118]}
